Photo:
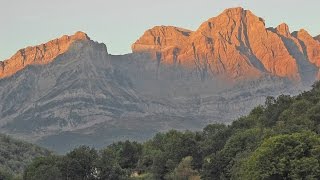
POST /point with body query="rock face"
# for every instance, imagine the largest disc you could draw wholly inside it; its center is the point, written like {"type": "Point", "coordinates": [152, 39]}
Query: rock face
{"type": "Point", "coordinates": [70, 91]}
{"type": "Point", "coordinates": [86, 96]}
{"type": "Point", "coordinates": [295, 46]}
{"type": "Point", "coordinates": [77, 90]}
{"type": "Point", "coordinates": [317, 38]}
{"type": "Point", "coordinates": [42, 54]}
{"type": "Point", "coordinates": [310, 46]}
{"type": "Point", "coordinates": [234, 45]}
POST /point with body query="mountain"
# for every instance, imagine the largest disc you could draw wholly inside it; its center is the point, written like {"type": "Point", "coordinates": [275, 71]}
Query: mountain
{"type": "Point", "coordinates": [42, 54]}
{"type": "Point", "coordinates": [79, 89]}
{"type": "Point", "coordinates": [234, 45]}
{"type": "Point", "coordinates": [71, 91]}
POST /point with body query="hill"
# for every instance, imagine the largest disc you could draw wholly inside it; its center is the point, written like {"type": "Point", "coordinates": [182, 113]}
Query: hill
{"type": "Point", "coordinates": [15, 155]}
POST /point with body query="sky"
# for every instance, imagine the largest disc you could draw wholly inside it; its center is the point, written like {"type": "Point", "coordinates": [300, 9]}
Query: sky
{"type": "Point", "coordinates": [118, 23]}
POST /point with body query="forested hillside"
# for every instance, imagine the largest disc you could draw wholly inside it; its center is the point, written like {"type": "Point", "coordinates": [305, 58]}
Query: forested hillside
{"type": "Point", "coordinates": [279, 140]}
{"type": "Point", "coordinates": [16, 155]}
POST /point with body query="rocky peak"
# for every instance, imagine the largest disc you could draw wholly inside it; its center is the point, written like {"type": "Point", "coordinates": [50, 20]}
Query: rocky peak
{"type": "Point", "coordinates": [233, 13]}
{"type": "Point", "coordinates": [235, 44]}
{"type": "Point", "coordinates": [80, 36]}
{"type": "Point", "coordinates": [238, 13]}
{"type": "Point", "coordinates": [161, 36]}
{"type": "Point", "coordinates": [283, 29]}
{"type": "Point", "coordinates": [41, 54]}
{"type": "Point", "coordinates": [302, 33]}
{"type": "Point", "coordinates": [311, 47]}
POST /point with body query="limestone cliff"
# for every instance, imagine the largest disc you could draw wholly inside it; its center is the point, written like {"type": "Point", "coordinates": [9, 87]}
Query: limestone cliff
{"type": "Point", "coordinates": [234, 45]}
{"type": "Point", "coordinates": [70, 91]}
{"type": "Point", "coordinates": [41, 54]}
{"type": "Point", "coordinates": [317, 38]}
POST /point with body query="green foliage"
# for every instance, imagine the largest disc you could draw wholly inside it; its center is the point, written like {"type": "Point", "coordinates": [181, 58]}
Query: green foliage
{"type": "Point", "coordinates": [127, 153]}
{"type": "Point", "coordinates": [44, 168]}
{"type": "Point", "coordinates": [80, 163]}
{"type": "Point", "coordinates": [108, 167]}
{"type": "Point", "coordinates": [295, 156]}
{"type": "Point", "coordinates": [219, 164]}
{"type": "Point", "coordinates": [165, 151]}
{"type": "Point", "coordinates": [16, 155]}
{"type": "Point", "coordinates": [184, 170]}
{"type": "Point", "coordinates": [214, 138]}
{"type": "Point", "coordinates": [4, 175]}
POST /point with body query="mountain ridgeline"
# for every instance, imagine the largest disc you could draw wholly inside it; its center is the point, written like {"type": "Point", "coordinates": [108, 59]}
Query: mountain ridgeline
{"type": "Point", "coordinates": [235, 45]}
{"type": "Point", "coordinates": [71, 91]}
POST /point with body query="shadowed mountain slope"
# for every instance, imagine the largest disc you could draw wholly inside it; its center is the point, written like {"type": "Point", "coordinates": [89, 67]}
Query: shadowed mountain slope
{"type": "Point", "coordinates": [70, 91]}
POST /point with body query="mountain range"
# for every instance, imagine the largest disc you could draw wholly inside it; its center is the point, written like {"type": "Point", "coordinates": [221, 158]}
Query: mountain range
{"type": "Point", "coordinates": [236, 45]}
{"type": "Point", "coordinates": [71, 91]}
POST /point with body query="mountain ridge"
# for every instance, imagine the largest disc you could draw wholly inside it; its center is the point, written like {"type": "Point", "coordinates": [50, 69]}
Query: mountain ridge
{"type": "Point", "coordinates": [40, 54]}
{"type": "Point", "coordinates": [84, 95]}
{"type": "Point", "coordinates": [235, 44]}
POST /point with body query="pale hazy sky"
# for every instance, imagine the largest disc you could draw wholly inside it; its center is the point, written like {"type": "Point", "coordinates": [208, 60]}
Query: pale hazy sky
{"type": "Point", "coordinates": [118, 23]}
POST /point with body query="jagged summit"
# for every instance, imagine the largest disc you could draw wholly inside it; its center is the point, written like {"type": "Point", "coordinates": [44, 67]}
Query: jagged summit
{"type": "Point", "coordinates": [161, 36]}
{"type": "Point", "coordinates": [239, 12]}
{"type": "Point", "coordinates": [283, 29]}
{"type": "Point", "coordinates": [41, 54]}
{"type": "Point", "coordinates": [235, 45]}
{"type": "Point", "coordinates": [236, 12]}
{"type": "Point", "coordinates": [79, 35]}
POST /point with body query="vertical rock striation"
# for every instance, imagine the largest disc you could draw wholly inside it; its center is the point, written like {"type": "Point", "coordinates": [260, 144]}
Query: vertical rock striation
{"type": "Point", "coordinates": [234, 45]}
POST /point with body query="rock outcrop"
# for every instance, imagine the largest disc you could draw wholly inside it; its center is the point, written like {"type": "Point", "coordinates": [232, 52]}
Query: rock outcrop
{"type": "Point", "coordinates": [41, 54]}
{"type": "Point", "coordinates": [307, 70]}
{"type": "Point", "coordinates": [234, 45]}
{"type": "Point", "coordinates": [86, 96]}
{"type": "Point", "coordinates": [317, 38]}
{"type": "Point", "coordinates": [311, 47]}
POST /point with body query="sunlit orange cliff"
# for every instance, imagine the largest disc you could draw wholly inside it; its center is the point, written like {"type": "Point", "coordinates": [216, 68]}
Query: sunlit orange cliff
{"type": "Point", "coordinates": [41, 54]}
{"type": "Point", "coordinates": [237, 45]}
{"type": "Point", "coordinates": [234, 45]}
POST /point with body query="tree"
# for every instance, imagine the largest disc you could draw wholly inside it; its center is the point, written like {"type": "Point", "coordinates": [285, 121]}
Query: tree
{"type": "Point", "coordinates": [44, 168]}
{"type": "Point", "coordinates": [107, 166]}
{"type": "Point", "coordinates": [15, 155]}
{"type": "Point", "coordinates": [80, 164]}
{"type": "Point", "coordinates": [214, 138]}
{"type": "Point", "coordinates": [184, 170]}
{"type": "Point", "coordinates": [159, 165]}
{"type": "Point", "coordinates": [5, 175]}
{"type": "Point", "coordinates": [219, 165]}
{"type": "Point", "coordinates": [127, 153]}
{"type": "Point", "coordinates": [273, 109]}
{"type": "Point", "coordinates": [295, 156]}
